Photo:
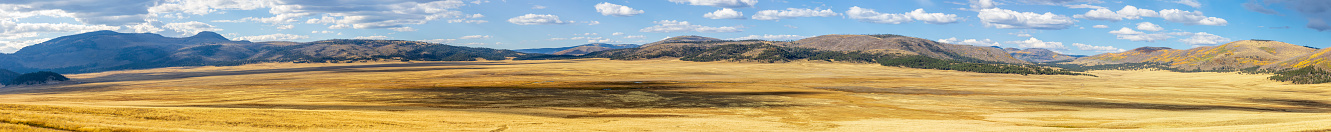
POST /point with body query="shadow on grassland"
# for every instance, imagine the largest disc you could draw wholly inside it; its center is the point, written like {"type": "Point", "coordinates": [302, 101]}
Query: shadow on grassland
{"type": "Point", "coordinates": [1300, 107]}
{"type": "Point", "coordinates": [396, 67]}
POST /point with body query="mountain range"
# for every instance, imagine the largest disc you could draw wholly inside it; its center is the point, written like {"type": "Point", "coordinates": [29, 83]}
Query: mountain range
{"type": "Point", "coordinates": [108, 50]}
{"type": "Point", "coordinates": [579, 49]}
{"type": "Point", "coordinates": [1230, 56]}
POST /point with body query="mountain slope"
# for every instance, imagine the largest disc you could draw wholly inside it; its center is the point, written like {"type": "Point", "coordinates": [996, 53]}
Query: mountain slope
{"type": "Point", "coordinates": [1230, 56]}
{"type": "Point", "coordinates": [1320, 59]}
{"type": "Point", "coordinates": [108, 50]}
{"type": "Point", "coordinates": [578, 50]}
{"type": "Point", "coordinates": [905, 45]}
{"type": "Point", "coordinates": [6, 76]}
{"type": "Point", "coordinates": [1038, 55]}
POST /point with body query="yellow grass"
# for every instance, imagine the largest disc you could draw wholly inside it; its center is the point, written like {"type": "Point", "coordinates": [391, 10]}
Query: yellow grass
{"type": "Point", "coordinates": [654, 95]}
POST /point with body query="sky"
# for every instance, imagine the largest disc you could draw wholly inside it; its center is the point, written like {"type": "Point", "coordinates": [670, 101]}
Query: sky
{"type": "Point", "coordinates": [1083, 27]}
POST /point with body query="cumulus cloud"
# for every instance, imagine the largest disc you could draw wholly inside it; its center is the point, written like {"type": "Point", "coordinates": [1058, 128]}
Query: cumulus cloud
{"type": "Point", "coordinates": [537, 7]}
{"type": "Point", "coordinates": [534, 19]}
{"type": "Point", "coordinates": [190, 28]}
{"type": "Point", "coordinates": [770, 37]}
{"type": "Point", "coordinates": [1008, 19]}
{"type": "Point", "coordinates": [724, 13]}
{"type": "Point", "coordinates": [402, 29]}
{"type": "Point", "coordinates": [869, 15]}
{"type": "Point", "coordinates": [1192, 3]}
{"type": "Point", "coordinates": [1148, 26]}
{"type": "Point", "coordinates": [608, 9]}
{"type": "Point", "coordinates": [272, 37]}
{"type": "Point", "coordinates": [1100, 26]}
{"type": "Point", "coordinates": [1058, 2]}
{"type": "Point", "coordinates": [1037, 43]}
{"type": "Point", "coordinates": [982, 4]}
{"type": "Point", "coordinates": [617, 33]}
{"type": "Point", "coordinates": [1129, 34]}
{"type": "Point", "coordinates": [1203, 39]}
{"type": "Point", "coordinates": [635, 37]}
{"type": "Point", "coordinates": [975, 42]}
{"type": "Point", "coordinates": [1101, 49]}
{"type": "Point", "coordinates": [11, 46]}
{"type": "Point", "coordinates": [792, 13]}
{"type": "Point", "coordinates": [371, 37]}
{"type": "Point", "coordinates": [1191, 18]}
{"type": "Point", "coordinates": [666, 26]}
{"type": "Point", "coordinates": [12, 30]}
{"type": "Point", "coordinates": [1128, 12]}
{"type": "Point", "coordinates": [720, 3]}
{"type": "Point", "coordinates": [475, 37]}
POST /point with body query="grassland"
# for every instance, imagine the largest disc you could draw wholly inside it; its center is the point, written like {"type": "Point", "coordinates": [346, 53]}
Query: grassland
{"type": "Point", "coordinates": [654, 95]}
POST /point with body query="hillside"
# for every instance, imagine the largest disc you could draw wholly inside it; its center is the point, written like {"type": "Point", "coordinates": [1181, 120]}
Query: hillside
{"type": "Point", "coordinates": [1319, 59]}
{"type": "Point", "coordinates": [897, 44]}
{"type": "Point", "coordinates": [578, 50]}
{"type": "Point", "coordinates": [108, 50]}
{"type": "Point", "coordinates": [6, 76]}
{"type": "Point", "coordinates": [1038, 55]}
{"type": "Point", "coordinates": [1228, 57]}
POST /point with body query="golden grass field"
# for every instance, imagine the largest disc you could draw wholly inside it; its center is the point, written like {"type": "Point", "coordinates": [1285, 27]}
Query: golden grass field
{"type": "Point", "coordinates": [654, 95]}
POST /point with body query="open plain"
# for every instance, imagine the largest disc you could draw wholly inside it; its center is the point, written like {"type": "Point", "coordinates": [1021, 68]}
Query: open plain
{"type": "Point", "coordinates": [654, 95]}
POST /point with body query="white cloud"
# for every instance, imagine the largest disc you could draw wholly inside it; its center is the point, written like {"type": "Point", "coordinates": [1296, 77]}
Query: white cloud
{"type": "Point", "coordinates": [1191, 18]}
{"type": "Point", "coordinates": [1148, 26]}
{"type": "Point", "coordinates": [475, 37]}
{"type": "Point", "coordinates": [402, 29]}
{"type": "Point", "coordinates": [792, 26]}
{"type": "Point", "coordinates": [601, 41]}
{"type": "Point", "coordinates": [635, 37]}
{"type": "Point", "coordinates": [586, 34]}
{"type": "Point", "coordinates": [1128, 12]}
{"type": "Point", "coordinates": [190, 28]}
{"type": "Point", "coordinates": [770, 37]}
{"type": "Point", "coordinates": [1203, 39]}
{"type": "Point", "coordinates": [1100, 26]}
{"type": "Point", "coordinates": [323, 31]}
{"type": "Point", "coordinates": [982, 4]}
{"type": "Point", "coordinates": [1101, 49]}
{"type": "Point", "coordinates": [1036, 43]}
{"type": "Point", "coordinates": [371, 37]}
{"type": "Point", "coordinates": [534, 19]}
{"type": "Point", "coordinates": [12, 30]}
{"type": "Point", "coordinates": [608, 9]}
{"type": "Point", "coordinates": [1002, 18]}
{"type": "Point", "coordinates": [272, 37]}
{"type": "Point", "coordinates": [1192, 3]}
{"type": "Point", "coordinates": [8, 46]}
{"type": "Point", "coordinates": [467, 21]}
{"type": "Point", "coordinates": [537, 7]}
{"type": "Point", "coordinates": [665, 26]}
{"type": "Point", "coordinates": [1021, 34]}
{"type": "Point", "coordinates": [441, 41]}
{"type": "Point", "coordinates": [593, 22]}
{"type": "Point", "coordinates": [724, 13]}
{"type": "Point", "coordinates": [792, 13]}
{"type": "Point", "coordinates": [284, 27]}
{"type": "Point", "coordinates": [617, 33]}
{"type": "Point", "coordinates": [720, 3]}
{"type": "Point", "coordinates": [1129, 34]}
{"type": "Point", "coordinates": [954, 40]}
{"type": "Point", "coordinates": [869, 15]}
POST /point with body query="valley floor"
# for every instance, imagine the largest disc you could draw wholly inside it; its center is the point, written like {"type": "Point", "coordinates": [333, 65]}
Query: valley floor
{"type": "Point", "coordinates": [655, 95]}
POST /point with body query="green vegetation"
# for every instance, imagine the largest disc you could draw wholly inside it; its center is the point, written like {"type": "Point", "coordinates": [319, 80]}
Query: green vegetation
{"type": "Point", "coordinates": [772, 54]}
{"type": "Point", "coordinates": [1305, 75]}
{"type": "Point", "coordinates": [40, 77]}
{"type": "Point", "coordinates": [923, 62]}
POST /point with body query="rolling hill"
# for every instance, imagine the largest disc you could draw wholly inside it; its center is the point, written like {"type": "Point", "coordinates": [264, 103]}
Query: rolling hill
{"type": "Point", "coordinates": [1038, 55]}
{"type": "Point", "coordinates": [108, 50]}
{"type": "Point", "coordinates": [1230, 56]}
{"type": "Point", "coordinates": [905, 45]}
{"type": "Point", "coordinates": [1319, 59]}
{"type": "Point", "coordinates": [578, 50]}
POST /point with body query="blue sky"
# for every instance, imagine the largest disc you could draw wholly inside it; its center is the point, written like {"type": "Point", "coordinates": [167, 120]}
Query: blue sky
{"type": "Point", "coordinates": [1068, 26]}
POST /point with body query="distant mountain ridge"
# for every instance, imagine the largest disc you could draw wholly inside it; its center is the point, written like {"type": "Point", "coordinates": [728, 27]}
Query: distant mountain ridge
{"type": "Point", "coordinates": [887, 43]}
{"type": "Point", "coordinates": [579, 49]}
{"type": "Point", "coordinates": [1230, 56]}
{"type": "Point", "coordinates": [1039, 55]}
{"type": "Point", "coordinates": [107, 50]}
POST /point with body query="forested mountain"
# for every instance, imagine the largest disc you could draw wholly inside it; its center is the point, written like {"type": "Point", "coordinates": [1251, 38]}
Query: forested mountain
{"type": "Point", "coordinates": [1228, 57]}
{"type": "Point", "coordinates": [578, 50]}
{"type": "Point", "coordinates": [897, 44]}
{"type": "Point", "coordinates": [1038, 55]}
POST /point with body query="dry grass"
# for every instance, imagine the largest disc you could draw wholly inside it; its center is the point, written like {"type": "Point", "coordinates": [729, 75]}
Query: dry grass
{"type": "Point", "coordinates": [656, 95]}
